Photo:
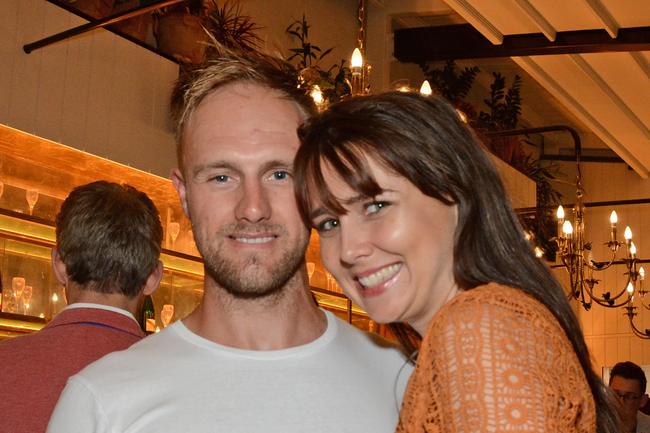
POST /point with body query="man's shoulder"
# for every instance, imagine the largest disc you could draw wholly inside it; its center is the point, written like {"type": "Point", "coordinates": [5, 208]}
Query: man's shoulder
{"type": "Point", "coordinates": [134, 361]}
{"type": "Point", "coordinates": [368, 341]}
{"type": "Point", "coordinates": [642, 422]}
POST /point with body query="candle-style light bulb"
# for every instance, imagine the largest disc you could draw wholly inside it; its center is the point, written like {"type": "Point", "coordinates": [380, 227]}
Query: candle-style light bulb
{"type": "Point", "coordinates": [317, 95]}
{"type": "Point", "coordinates": [560, 221]}
{"type": "Point", "coordinates": [356, 68]}
{"type": "Point", "coordinates": [632, 249]}
{"type": "Point", "coordinates": [613, 218]}
{"type": "Point", "coordinates": [539, 253]}
{"type": "Point", "coordinates": [628, 233]}
{"type": "Point", "coordinates": [425, 88]}
{"type": "Point", "coordinates": [630, 288]}
{"type": "Point", "coordinates": [357, 59]}
{"type": "Point", "coordinates": [567, 228]}
{"type": "Point", "coordinates": [641, 273]}
{"type": "Point", "coordinates": [55, 297]}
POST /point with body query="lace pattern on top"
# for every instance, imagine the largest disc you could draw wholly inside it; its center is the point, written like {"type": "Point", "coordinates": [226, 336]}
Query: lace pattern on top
{"type": "Point", "coordinates": [496, 360]}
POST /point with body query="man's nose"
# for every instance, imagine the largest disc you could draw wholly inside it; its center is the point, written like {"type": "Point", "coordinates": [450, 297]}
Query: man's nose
{"type": "Point", "coordinates": [254, 204]}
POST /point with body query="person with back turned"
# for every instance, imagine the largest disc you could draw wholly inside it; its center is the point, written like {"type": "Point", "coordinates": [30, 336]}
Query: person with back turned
{"type": "Point", "coordinates": [108, 240]}
{"type": "Point", "coordinates": [257, 355]}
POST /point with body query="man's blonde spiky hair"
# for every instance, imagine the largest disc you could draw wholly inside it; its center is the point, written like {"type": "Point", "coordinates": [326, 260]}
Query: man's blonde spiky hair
{"type": "Point", "coordinates": [226, 66]}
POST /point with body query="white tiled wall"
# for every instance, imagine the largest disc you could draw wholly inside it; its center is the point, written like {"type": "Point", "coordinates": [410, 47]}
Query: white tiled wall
{"type": "Point", "coordinates": [96, 92]}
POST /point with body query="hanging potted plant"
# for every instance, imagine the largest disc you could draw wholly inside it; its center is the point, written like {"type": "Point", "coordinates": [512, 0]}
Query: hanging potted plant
{"type": "Point", "coordinates": [179, 31]}
{"type": "Point", "coordinates": [186, 32]}
{"type": "Point", "coordinates": [333, 83]}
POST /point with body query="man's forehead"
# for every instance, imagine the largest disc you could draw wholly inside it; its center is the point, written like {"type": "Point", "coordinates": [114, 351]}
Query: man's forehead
{"type": "Point", "coordinates": [621, 383]}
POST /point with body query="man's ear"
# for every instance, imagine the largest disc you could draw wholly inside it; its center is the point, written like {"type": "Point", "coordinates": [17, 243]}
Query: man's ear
{"type": "Point", "coordinates": [153, 280]}
{"type": "Point", "coordinates": [179, 183]}
{"type": "Point", "coordinates": [60, 271]}
{"type": "Point", "coordinates": [644, 400]}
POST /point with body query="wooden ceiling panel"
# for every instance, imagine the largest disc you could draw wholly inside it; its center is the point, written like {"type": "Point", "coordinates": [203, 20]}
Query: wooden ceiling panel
{"type": "Point", "coordinates": [567, 15]}
{"type": "Point", "coordinates": [572, 81]}
{"type": "Point", "coordinates": [633, 92]}
{"type": "Point", "coordinates": [629, 13]}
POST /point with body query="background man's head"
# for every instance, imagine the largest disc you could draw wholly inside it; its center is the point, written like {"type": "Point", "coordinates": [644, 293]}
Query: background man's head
{"type": "Point", "coordinates": [109, 238]}
{"type": "Point", "coordinates": [627, 380]}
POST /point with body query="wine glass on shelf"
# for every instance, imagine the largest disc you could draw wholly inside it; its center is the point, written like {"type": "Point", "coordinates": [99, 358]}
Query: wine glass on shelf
{"type": "Point", "coordinates": [17, 287]}
{"type": "Point", "coordinates": [311, 267]}
{"type": "Point", "coordinates": [166, 314]}
{"type": "Point", "coordinates": [27, 297]}
{"type": "Point", "coordinates": [32, 197]}
{"type": "Point", "coordinates": [174, 229]}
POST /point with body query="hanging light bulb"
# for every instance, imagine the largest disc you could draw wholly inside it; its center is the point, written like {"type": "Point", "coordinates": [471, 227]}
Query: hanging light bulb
{"type": "Point", "coordinates": [567, 228]}
{"type": "Point", "coordinates": [425, 88]}
{"type": "Point", "coordinates": [356, 68]}
{"type": "Point", "coordinates": [317, 95]}
{"type": "Point", "coordinates": [357, 59]}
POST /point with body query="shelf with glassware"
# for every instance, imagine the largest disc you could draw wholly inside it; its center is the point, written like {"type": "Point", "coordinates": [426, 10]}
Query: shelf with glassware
{"type": "Point", "coordinates": [31, 296]}
{"type": "Point", "coordinates": [37, 174]}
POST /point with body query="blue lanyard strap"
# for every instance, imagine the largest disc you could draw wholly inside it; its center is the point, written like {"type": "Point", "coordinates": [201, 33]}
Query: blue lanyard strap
{"type": "Point", "coordinates": [101, 325]}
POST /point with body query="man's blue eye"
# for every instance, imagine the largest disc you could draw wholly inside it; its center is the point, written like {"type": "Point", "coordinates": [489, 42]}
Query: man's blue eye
{"type": "Point", "coordinates": [280, 175]}
{"type": "Point", "coordinates": [221, 178]}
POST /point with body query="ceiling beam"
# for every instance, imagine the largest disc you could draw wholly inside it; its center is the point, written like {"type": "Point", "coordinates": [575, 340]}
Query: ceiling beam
{"type": "Point", "coordinates": [462, 41]}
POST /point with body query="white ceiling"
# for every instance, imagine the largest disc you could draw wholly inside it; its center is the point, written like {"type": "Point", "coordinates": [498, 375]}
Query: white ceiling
{"type": "Point", "coordinates": [606, 93]}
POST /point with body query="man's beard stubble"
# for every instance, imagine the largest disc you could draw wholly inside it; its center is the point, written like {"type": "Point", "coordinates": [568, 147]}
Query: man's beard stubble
{"type": "Point", "coordinates": [249, 278]}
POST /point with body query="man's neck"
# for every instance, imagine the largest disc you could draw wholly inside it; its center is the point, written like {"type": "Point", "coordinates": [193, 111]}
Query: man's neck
{"type": "Point", "coordinates": [287, 319]}
{"type": "Point", "coordinates": [110, 299]}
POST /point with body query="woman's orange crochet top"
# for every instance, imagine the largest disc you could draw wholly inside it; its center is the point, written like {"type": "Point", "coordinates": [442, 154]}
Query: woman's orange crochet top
{"type": "Point", "coordinates": [496, 360]}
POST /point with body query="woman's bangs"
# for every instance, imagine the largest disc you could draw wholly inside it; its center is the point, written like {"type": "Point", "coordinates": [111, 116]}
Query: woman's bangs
{"type": "Point", "coordinates": [347, 161]}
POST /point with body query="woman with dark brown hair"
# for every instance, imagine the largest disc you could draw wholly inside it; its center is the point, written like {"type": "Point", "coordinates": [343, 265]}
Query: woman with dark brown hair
{"type": "Point", "coordinates": [415, 225]}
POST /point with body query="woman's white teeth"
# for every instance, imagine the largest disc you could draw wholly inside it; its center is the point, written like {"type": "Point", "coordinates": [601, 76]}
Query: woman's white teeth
{"type": "Point", "coordinates": [379, 276]}
{"type": "Point", "coordinates": [262, 240]}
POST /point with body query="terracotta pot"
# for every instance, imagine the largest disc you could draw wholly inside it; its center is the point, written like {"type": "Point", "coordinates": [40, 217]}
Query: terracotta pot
{"type": "Point", "coordinates": [95, 8]}
{"type": "Point", "coordinates": [181, 35]}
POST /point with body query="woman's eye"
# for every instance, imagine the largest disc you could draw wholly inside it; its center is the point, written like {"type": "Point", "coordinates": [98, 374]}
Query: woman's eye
{"type": "Point", "coordinates": [326, 225]}
{"type": "Point", "coordinates": [375, 206]}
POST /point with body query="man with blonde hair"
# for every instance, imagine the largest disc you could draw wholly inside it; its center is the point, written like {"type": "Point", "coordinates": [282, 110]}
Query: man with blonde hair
{"type": "Point", "coordinates": [257, 355]}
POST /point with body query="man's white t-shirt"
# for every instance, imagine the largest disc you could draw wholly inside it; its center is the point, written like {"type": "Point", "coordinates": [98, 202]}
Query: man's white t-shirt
{"type": "Point", "coordinates": [176, 381]}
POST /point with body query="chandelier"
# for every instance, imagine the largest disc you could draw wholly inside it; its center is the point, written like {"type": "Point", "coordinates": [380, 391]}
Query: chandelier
{"type": "Point", "coordinates": [576, 256]}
